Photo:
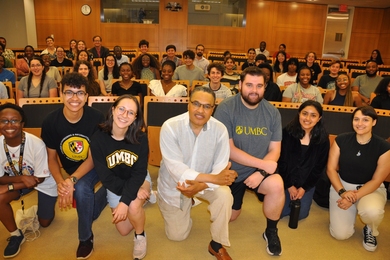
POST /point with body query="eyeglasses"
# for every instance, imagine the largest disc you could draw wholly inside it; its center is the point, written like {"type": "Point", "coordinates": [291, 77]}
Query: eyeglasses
{"type": "Point", "coordinates": [123, 112]}
{"type": "Point", "coordinates": [342, 80]}
{"type": "Point", "coordinates": [70, 94]}
{"type": "Point", "coordinates": [12, 121]}
{"type": "Point", "coordinates": [206, 107]}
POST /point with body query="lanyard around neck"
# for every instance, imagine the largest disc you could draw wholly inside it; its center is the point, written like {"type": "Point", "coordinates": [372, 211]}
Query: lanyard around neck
{"type": "Point", "coordinates": [11, 164]}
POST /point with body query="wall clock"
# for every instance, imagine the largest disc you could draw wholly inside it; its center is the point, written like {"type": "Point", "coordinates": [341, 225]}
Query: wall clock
{"type": "Point", "coordinates": [86, 10]}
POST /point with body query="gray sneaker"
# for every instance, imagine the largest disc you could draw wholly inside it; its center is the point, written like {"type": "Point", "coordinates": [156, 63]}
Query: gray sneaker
{"type": "Point", "coordinates": [140, 244]}
{"type": "Point", "coordinates": [13, 247]}
{"type": "Point", "coordinates": [369, 241]}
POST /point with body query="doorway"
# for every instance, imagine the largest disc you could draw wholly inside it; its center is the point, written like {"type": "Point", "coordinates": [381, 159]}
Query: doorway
{"type": "Point", "coordinates": [337, 33]}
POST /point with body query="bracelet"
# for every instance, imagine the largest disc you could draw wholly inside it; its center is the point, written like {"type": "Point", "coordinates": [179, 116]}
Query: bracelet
{"type": "Point", "coordinates": [341, 191]}
{"type": "Point", "coordinates": [262, 172]}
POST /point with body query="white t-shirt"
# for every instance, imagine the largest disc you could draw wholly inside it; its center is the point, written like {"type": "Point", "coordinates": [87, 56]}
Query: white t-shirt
{"type": "Point", "coordinates": [34, 163]}
{"type": "Point", "coordinates": [286, 80]}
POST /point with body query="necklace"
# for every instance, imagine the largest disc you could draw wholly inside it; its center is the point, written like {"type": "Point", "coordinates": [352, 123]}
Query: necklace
{"type": "Point", "coordinates": [365, 142]}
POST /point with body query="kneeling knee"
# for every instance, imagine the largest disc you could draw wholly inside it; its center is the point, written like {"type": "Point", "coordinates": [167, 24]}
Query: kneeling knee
{"type": "Point", "coordinates": [176, 236]}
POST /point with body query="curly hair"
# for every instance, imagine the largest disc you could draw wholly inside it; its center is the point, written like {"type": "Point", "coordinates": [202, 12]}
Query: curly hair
{"type": "Point", "coordinates": [137, 64]}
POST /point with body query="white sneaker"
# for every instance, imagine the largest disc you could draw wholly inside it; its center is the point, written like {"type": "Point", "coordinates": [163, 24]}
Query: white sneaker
{"type": "Point", "coordinates": [140, 245]}
{"type": "Point", "coordinates": [369, 241]}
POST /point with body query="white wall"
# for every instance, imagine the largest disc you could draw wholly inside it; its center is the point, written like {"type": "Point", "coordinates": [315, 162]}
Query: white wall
{"type": "Point", "coordinates": [18, 26]}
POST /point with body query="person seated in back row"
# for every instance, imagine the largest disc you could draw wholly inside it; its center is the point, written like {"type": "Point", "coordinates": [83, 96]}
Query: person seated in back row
{"type": "Point", "coordinates": [366, 84]}
{"type": "Point", "coordinates": [290, 77]}
{"type": "Point", "coordinates": [18, 179]}
{"type": "Point", "coordinates": [215, 72]}
{"type": "Point", "coordinates": [188, 71]}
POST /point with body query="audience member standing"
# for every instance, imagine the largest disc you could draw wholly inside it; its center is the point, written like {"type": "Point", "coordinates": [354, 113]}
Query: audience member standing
{"type": "Point", "coordinates": [200, 61]}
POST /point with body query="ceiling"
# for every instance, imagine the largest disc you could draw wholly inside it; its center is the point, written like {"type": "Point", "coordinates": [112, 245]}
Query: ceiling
{"type": "Point", "coordinates": [355, 3]}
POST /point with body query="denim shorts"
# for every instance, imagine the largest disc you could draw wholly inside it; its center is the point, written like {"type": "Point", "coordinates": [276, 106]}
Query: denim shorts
{"type": "Point", "coordinates": [113, 199]}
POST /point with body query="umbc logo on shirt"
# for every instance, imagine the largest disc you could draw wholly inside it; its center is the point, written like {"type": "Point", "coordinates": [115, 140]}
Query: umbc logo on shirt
{"type": "Point", "coordinates": [119, 157]}
{"type": "Point", "coordinates": [75, 147]}
{"type": "Point", "coordinates": [248, 130]}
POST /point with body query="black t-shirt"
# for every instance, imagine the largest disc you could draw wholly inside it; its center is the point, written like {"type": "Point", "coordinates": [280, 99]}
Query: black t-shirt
{"type": "Point", "coordinates": [65, 63]}
{"type": "Point", "coordinates": [71, 141]}
{"type": "Point", "coordinates": [133, 90]}
{"type": "Point", "coordinates": [358, 162]}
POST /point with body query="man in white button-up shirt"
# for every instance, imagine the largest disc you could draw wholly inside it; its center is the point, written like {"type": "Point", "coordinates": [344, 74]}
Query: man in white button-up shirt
{"type": "Point", "coordinates": [195, 161]}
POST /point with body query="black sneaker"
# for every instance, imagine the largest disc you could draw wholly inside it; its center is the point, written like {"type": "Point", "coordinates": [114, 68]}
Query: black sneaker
{"type": "Point", "coordinates": [273, 242]}
{"type": "Point", "coordinates": [85, 249]}
{"type": "Point", "coordinates": [369, 241]}
{"type": "Point", "coordinates": [13, 247]}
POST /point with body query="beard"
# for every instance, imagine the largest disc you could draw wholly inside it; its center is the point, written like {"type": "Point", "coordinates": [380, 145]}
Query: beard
{"type": "Point", "coordinates": [251, 102]}
{"type": "Point", "coordinates": [371, 75]}
{"type": "Point", "coordinates": [199, 54]}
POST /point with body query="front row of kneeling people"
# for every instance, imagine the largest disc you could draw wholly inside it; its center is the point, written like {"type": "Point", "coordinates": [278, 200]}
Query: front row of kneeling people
{"type": "Point", "coordinates": [213, 158]}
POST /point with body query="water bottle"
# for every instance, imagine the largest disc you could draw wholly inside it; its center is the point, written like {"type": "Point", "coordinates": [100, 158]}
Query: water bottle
{"type": "Point", "coordinates": [295, 206]}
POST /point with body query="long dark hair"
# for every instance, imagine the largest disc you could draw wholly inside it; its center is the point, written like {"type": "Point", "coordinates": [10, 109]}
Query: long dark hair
{"type": "Point", "coordinates": [115, 69]}
{"type": "Point", "coordinates": [30, 75]}
{"type": "Point", "coordinates": [135, 130]}
{"type": "Point", "coordinates": [378, 59]}
{"type": "Point", "coordinates": [381, 89]}
{"type": "Point", "coordinates": [318, 133]}
{"type": "Point", "coordinates": [277, 62]}
{"type": "Point", "coordinates": [137, 64]}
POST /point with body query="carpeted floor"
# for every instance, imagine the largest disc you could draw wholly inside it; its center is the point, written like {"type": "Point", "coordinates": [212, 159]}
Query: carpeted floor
{"type": "Point", "coordinates": [310, 241]}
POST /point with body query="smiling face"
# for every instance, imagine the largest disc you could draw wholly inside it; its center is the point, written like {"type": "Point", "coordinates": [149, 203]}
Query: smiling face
{"type": "Point", "coordinates": [251, 55]}
{"type": "Point", "coordinates": [198, 114]}
{"type": "Point", "coordinates": [252, 90]}
{"type": "Point", "coordinates": [46, 60]}
{"type": "Point", "coordinates": [73, 45]}
{"type": "Point", "coordinates": [334, 68]}
{"type": "Point", "coordinates": [83, 56]}
{"type": "Point", "coordinates": [124, 114]}
{"type": "Point", "coordinates": [29, 53]}
{"type": "Point", "coordinates": [83, 70]}
{"type": "Point", "coordinates": [144, 48]}
{"type": "Point", "coordinates": [371, 69]}
{"type": "Point", "coordinates": [126, 72]}
{"type": "Point", "coordinates": [171, 53]}
{"type": "Point", "coordinates": [281, 58]}
{"type": "Point", "coordinates": [49, 42]}
{"type": "Point", "coordinates": [310, 57]}
{"type": "Point", "coordinates": [76, 102]}
{"type": "Point", "coordinates": [110, 61]}
{"type": "Point", "coordinates": [97, 42]}
{"type": "Point", "coordinates": [36, 68]}
{"type": "Point", "coordinates": [215, 75]}
{"type": "Point", "coordinates": [118, 52]}
{"type": "Point", "coordinates": [229, 64]}
{"type": "Point", "coordinates": [145, 61]}
{"type": "Point", "coordinates": [308, 118]}
{"type": "Point", "coordinates": [199, 51]}
{"type": "Point", "coordinates": [80, 46]}
{"type": "Point", "coordinates": [9, 130]}
{"type": "Point", "coordinates": [60, 53]}
{"type": "Point", "coordinates": [167, 72]}
{"type": "Point", "coordinates": [342, 81]}
{"type": "Point", "coordinates": [304, 77]}
{"type": "Point", "coordinates": [362, 124]}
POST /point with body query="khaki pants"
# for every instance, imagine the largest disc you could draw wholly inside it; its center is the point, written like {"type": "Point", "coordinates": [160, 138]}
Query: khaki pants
{"type": "Point", "coordinates": [178, 221]}
{"type": "Point", "coordinates": [370, 209]}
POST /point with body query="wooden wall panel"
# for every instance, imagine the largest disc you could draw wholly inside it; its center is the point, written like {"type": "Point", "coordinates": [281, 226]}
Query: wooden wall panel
{"type": "Point", "coordinates": [259, 24]}
{"type": "Point", "coordinates": [301, 28]}
{"type": "Point", "coordinates": [366, 31]}
{"type": "Point", "coordinates": [367, 20]}
{"type": "Point", "coordinates": [61, 30]}
{"type": "Point", "coordinates": [55, 10]}
{"type": "Point", "coordinates": [384, 38]}
{"type": "Point", "coordinates": [216, 37]}
{"type": "Point", "coordinates": [128, 35]}
{"type": "Point", "coordinates": [173, 27]}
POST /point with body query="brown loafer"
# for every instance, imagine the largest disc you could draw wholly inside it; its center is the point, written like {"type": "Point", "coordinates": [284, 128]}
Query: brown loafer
{"type": "Point", "coordinates": [221, 255]}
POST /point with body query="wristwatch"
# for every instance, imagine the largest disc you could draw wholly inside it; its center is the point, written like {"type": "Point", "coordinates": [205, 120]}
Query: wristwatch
{"type": "Point", "coordinates": [73, 179]}
{"type": "Point", "coordinates": [10, 187]}
{"type": "Point", "coordinates": [262, 172]}
{"type": "Point", "coordinates": [341, 191]}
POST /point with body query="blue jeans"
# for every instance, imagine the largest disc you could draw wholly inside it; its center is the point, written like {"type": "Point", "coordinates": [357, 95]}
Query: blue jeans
{"type": "Point", "coordinates": [89, 204]}
{"type": "Point", "coordinates": [305, 204]}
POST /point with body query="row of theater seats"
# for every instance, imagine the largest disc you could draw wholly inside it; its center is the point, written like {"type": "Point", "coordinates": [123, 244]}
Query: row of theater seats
{"type": "Point", "coordinates": [337, 119]}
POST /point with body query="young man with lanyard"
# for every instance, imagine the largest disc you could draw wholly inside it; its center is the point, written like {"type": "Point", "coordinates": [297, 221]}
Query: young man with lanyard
{"type": "Point", "coordinates": [23, 166]}
{"type": "Point", "coordinates": [66, 133]}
